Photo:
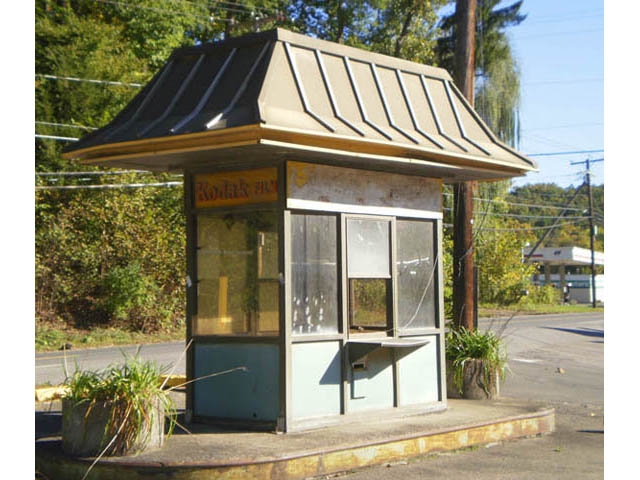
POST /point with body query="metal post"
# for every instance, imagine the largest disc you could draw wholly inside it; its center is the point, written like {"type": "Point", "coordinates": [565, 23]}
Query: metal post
{"type": "Point", "coordinates": [592, 234]}
{"type": "Point", "coordinates": [592, 238]}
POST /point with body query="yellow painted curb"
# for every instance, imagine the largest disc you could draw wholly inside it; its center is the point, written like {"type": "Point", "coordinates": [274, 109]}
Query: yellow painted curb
{"type": "Point", "coordinates": [173, 380]}
{"type": "Point", "coordinates": [48, 394]}
{"type": "Point", "coordinates": [311, 464]}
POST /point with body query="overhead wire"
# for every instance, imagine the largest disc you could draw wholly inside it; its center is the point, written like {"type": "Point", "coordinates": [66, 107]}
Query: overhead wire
{"type": "Point", "coordinates": [108, 186]}
{"type": "Point", "coordinates": [65, 125]}
{"type": "Point", "coordinates": [88, 80]}
{"type": "Point", "coordinates": [95, 173]}
{"type": "Point", "coordinates": [56, 137]}
{"type": "Point", "coordinates": [160, 10]}
{"type": "Point", "coordinates": [479, 199]}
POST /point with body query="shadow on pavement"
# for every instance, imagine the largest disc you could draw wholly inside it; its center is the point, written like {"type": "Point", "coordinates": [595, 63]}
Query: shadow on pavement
{"type": "Point", "coordinates": [589, 332]}
{"type": "Point", "coordinates": [48, 424]}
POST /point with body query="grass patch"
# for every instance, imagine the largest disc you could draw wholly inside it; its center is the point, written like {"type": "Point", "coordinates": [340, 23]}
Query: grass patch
{"type": "Point", "coordinates": [50, 338]}
{"type": "Point", "coordinates": [518, 309]}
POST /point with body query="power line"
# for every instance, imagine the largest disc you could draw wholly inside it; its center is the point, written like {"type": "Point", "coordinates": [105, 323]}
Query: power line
{"type": "Point", "coordinates": [88, 80]}
{"type": "Point", "coordinates": [160, 10]}
{"type": "Point", "coordinates": [517, 215]}
{"type": "Point", "coordinates": [546, 227]}
{"type": "Point", "coordinates": [65, 125]}
{"type": "Point", "coordinates": [73, 174]}
{"type": "Point", "coordinates": [55, 137]}
{"type": "Point", "coordinates": [556, 34]}
{"type": "Point", "coordinates": [558, 82]}
{"type": "Point", "coordinates": [524, 229]}
{"type": "Point", "coordinates": [563, 126]}
{"type": "Point", "coordinates": [505, 202]}
{"type": "Point", "coordinates": [109, 187]}
{"type": "Point", "coordinates": [575, 152]}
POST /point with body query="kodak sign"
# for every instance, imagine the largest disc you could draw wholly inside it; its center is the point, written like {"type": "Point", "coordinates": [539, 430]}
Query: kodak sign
{"type": "Point", "coordinates": [224, 189]}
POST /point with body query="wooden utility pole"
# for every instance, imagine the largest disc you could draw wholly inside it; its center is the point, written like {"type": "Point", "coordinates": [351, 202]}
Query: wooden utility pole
{"type": "Point", "coordinates": [463, 265]}
{"type": "Point", "coordinates": [592, 232]}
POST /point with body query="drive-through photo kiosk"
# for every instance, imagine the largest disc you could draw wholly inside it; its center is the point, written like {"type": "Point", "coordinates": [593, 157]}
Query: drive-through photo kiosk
{"type": "Point", "coordinates": [313, 180]}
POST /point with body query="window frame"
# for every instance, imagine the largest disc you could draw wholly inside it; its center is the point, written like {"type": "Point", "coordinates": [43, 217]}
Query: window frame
{"type": "Point", "coordinates": [393, 330]}
{"type": "Point", "coordinates": [302, 337]}
{"type": "Point", "coordinates": [437, 282]}
{"type": "Point", "coordinates": [253, 332]}
{"type": "Point", "coordinates": [390, 329]}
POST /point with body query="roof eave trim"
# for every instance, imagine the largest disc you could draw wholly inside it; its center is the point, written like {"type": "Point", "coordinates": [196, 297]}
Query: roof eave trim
{"type": "Point", "coordinates": [298, 139]}
{"type": "Point", "coordinates": [387, 149]}
{"type": "Point", "coordinates": [213, 139]}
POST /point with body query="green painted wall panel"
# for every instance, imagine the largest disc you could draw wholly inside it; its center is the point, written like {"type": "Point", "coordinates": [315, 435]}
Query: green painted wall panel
{"type": "Point", "coordinates": [316, 379]}
{"type": "Point", "coordinates": [371, 387]}
{"type": "Point", "coordinates": [419, 375]}
{"type": "Point", "coordinates": [240, 395]}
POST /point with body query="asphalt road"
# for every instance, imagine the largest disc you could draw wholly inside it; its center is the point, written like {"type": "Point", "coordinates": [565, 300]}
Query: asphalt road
{"type": "Point", "coordinates": [531, 342]}
{"type": "Point", "coordinates": [51, 367]}
{"type": "Point", "coordinates": [557, 359]}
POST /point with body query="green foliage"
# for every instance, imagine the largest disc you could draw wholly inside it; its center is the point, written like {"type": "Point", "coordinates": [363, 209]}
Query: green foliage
{"type": "Point", "coordinates": [502, 275]}
{"type": "Point", "coordinates": [111, 255]}
{"type": "Point", "coordinates": [406, 29]}
{"type": "Point", "coordinates": [116, 257]}
{"type": "Point", "coordinates": [131, 390]}
{"type": "Point", "coordinates": [542, 295]}
{"type": "Point", "coordinates": [401, 28]}
{"type": "Point", "coordinates": [48, 337]}
{"type": "Point", "coordinates": [462, 345]}
{"type": "Point", "coordinates": [574, 228]}
{"type": "Point", "coordinates": [497, 74]}
{"type": "Point", "coordinates": [447, 273]}
{"type": "Point", "coordinates": [130, 295]}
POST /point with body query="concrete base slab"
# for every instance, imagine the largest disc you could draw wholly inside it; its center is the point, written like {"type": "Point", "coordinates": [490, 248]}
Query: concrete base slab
{"type": "Point", "coordinates": [209, 452]}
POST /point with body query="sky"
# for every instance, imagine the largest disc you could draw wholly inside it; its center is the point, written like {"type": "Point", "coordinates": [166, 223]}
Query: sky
{"type": "Point", "coordinates": [559, 48]}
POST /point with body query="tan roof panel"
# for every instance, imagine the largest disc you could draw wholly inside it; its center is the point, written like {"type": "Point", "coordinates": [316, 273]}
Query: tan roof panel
{"type": "Point", "coordinates": [295, 95]}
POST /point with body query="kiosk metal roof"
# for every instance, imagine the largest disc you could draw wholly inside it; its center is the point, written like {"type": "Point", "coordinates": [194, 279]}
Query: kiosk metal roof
{"type": "Point", "coordinates": [278, 94]}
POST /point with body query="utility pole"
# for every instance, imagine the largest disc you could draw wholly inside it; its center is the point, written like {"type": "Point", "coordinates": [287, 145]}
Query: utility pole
{"type": "Point", "coordinates": [592, 234]}
{"type": "Point", "coordinates": [463, 265]}
{"type": "Point", "coordinates": [555, 223]}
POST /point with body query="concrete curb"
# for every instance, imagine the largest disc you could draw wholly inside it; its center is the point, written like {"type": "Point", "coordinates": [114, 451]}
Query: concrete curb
{"type": "Point", "coordinates": [323, 461]}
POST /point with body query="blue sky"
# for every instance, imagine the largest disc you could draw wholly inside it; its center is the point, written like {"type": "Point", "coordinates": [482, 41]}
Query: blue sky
{"type": "Point", "coordinates": [560, 52]}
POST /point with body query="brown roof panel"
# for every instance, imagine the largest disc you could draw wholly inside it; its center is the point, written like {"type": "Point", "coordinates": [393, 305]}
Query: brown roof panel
{"type": "Point", "coordinates": [303, 95]}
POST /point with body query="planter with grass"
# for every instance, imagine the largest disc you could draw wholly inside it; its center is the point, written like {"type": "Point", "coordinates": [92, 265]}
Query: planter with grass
{"type": "Point", "coordinates": [118, 411]}
{"type": "Point", "coordinates": [476, 363]}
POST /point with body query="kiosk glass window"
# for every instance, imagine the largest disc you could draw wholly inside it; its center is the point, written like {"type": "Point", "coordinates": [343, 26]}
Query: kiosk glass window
{"type": "Point", "coordinates": [416, 274]}
{"type": "Point", "coordinates": [237, 262]}
{"type": "Point", "coordinates": [369, 274]}
{"type": "Point", "coordinates": [314, 274]}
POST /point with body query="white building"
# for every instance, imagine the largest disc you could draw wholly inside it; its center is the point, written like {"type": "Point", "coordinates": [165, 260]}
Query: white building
{"type": "Point", "coordinates": [579, 285]}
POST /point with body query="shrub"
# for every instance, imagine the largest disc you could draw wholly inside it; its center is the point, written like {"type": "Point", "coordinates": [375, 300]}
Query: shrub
{"type": "Point", "coordinates": [462, 345]}
{"type": "Point", "coordinates": [131, 391]}
{"type": "Point", "coordinates": [131, 296]}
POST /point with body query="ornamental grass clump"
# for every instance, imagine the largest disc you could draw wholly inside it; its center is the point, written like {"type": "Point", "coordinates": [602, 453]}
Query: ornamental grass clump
{"type": "Point", "coordinates": [463, 346]}
{"type": "Point", "coordinates": [126, 403]}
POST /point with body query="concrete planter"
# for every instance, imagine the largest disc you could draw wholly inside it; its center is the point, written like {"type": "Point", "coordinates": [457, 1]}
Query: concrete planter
{"type": "Point", "coordinates": [474, 384]}
{"type": "Point", "coordinates": [83, 429]}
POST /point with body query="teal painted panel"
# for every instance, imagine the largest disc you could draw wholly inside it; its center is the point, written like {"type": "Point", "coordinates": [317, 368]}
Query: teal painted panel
{"type": "Point", "coordinates": [240, 395]}
{"type": "Point", "coordinates": [419, 375]}
{"type": "Point", "coordinates": [316, 379]}
{"type": "Point", "coordinates": [371, 382]}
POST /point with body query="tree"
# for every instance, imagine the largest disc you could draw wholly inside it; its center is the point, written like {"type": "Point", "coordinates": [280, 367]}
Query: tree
{"type": "Point", "coordinates": [497, 74]}
{"type": "Point", "coordinates": [334, 20]}
{"type": "Point", "coordinates": [407, 29]}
